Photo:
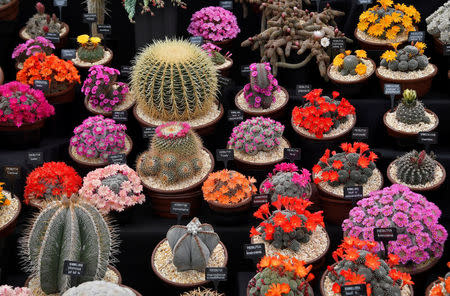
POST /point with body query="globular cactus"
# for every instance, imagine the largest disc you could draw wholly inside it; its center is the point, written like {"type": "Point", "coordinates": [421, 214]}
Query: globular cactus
{"type": "Point", "coordinates": [438, 23]}
{"type": "Point", "coordinates": [214, 52]}
{"type": "Point", "coordinates": [408, 59]}
{"type": "Point", "coordinates": [192, 245]}
{"type": "Point", "coordinates": [260, 91]}
{"type": "Point", "coordinates": [256, 134]}
{"type": "Point", "coordinates": [349, 64]}
{"type": "Point", "coordinates": [99, 288]}
{"type": "Point", "coordinates": [41, 23]}
{"type": "Point", "coordinates": [416, 168]}
{"type": "Point", "coordinates": [175, 153]}
{"type": "Point", "coordinates": [90, 50]}
{"type": "Point", "coordinates": [442, 286]}
{"type": "Point", "coordinates": [67, 230]}
{"type": "Point", "coordinates": [411, 110]}
{"type": "Point", "coordinates": [174, 80]}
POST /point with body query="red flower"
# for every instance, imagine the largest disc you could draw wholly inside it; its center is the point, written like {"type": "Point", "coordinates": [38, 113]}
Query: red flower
{"type": "Point", "coordinates": [337, 164]}
{"type": "Point", "coordinates": [336, 288]}
{"type": "Point", "coordinates": [254, 232]}
{"type": "Point", "coordinates": [363, 161]}
{"type": "Point", "coordinates": [335, 94]}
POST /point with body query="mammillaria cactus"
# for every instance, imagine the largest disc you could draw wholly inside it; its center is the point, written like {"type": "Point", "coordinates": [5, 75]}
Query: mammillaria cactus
{"type": "Point", "coordinates": [256, 134]}
{"type": "Point", "coordinates": [11, 291]}
{"type": "Point", "coordinates": [68, 229]}
{"type": "Point", "coordinates": [90, 50]}
{"type": "Point", "coordinates": [99, 288]}
{"type": "Point", "coordinates": [174, 153]}
{"type": "Point", "coordinates": [351, 64]}
{"type": "Point", "coordinates": [285, 180]}
{"type": "Point", "coordinates": [281, 275]}
{"type": "Point", "coordinates": [357, 264]}
{"type": "Point", "coordinates": [214, 52]}
{"type": "Point", "coordinates": [50, 182]}
{"type": "Point", "coordinates": [30, 47]}
{"type": "Point", "coordinates": [99, 137]}
{"type": "Point", "coordinates": [288, 227]}
{"type": "Point", "coordinates": [353, 166]}
{"type": "Point", "coordinates": [259, 92]}
{"type": "Point", "coordinates": [192, 245]}
{"type": "Point", "coordinates": [420, 236]}
{"type": "Point", "coordinates": [438, 23]}
{"type": "Point", "coordinates": [41, 23]}
{"type": "Point", "coordinates": [442, 287]}
{"type": "Point", "coordinates": [411, 110]}
{"type": "Point", "coordinates": [178, 68]}
{"type": "Point", "coordinates": [410, 58]}
{"type": "Point", "coordinates": [416, 168]}
{"type": "Point", "coordinates": [131, 5]}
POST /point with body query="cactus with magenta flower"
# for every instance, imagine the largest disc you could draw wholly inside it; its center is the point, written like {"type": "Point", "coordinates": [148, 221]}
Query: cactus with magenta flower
{"type": "Point", "coordinates": [30, 47]}
{"type": "Point", "coordinates": [214, 52]}
{"type": "Point", "coordinates": [259, 93]}
{"type": "Point", "coordinates": [42, 23]}
{"type": "Point", "coordinates": [256, 134]}
{"type": "Point", "coordinates": [416, 168]}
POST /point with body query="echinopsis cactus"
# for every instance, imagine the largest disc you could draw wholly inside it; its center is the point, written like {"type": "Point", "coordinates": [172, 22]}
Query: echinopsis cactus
{"type": "Point", "coordinates": [90, 50]}
{"type": "Point", "coordinates": [420, 236]}
{"type": "Point", "coordinates": [41, 23]}
{"type": "Point", "coordinates": [96, 288]}
{"type": "Point", "coordinates": [285, 180]}
{"type": "Point", "coordinates": [30, 47]}
{"type": "Point", "coordinates": [260, 91]}
{"type": "Point", "coordinates": [192, 245]}
{"type": "Point", "coordinates": [256, 134]}
{"type": "Point", "coordinates": [438, 23]}
{"type": "Point", "coordinates": [99, 137]}
{"type": "Point", "coordinates": [102, 89]}
{"type": "Point", "coordinates": [416, 168]}
{"type": "Point", "coordinates": [281, 275]}
{"type": "Point", "coordinates": [175, 153]}
{"type": "Point", "coordinates": [352, 167]}
{"type": "Point", "coordinates": [411, 110]}
{"type": "Point", "coordinates": [67, 230]}
{"type": "Point", "coordinates": [287, 228]}
{"type": "Point", "coordinates": [349, 64]}
{"type": "Point", "coordinates": [214, 52]}
{"type": "Point", "coordinates": [408, 59]}
{"type": "Point", "coordinates": [178, 68]}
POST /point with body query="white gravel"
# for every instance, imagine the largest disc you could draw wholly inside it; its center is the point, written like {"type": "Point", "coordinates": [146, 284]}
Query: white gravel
{"type": "Point", "coordinates": [280, 100]}
{"type": "Point", "coordinates": [7, 213]}
{"type": "Point", "coordinates": [336, 75]}
{"type": "Point", "coordinates": [262, 157]}
{"type": "Point", "coordinates": [394, 124]}
{"type": "Point", "coordinates": [98, 161]}
{"type": "Point", "coordinates": [400, 38]}
{"type": "Point", "coordinates": [77, 62]}
{"type": "Point", "coordinates": [399, 75]}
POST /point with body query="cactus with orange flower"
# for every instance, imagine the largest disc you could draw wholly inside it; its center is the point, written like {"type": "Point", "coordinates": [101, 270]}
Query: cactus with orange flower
{"type": "Point", "coordinates": [442, 286]}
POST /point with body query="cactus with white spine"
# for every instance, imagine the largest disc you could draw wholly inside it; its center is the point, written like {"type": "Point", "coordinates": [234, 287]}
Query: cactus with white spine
{"type": "Point", "coordinates": [99, 288]}
{"type": "Point", "coordinates": [411, 110]}
{"type": "Point", "coordinates": [99, 8]}
{"type": "Point", "coordinates": [416, 168]}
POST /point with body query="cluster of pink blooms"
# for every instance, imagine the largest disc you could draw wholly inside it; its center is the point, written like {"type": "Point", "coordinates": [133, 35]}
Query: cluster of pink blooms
{"type": "Point", "coordinates": [253, 90]}
{"type": "Point", "coordinates": [301, 180]}
{"type": "Point", "coordinates": [173, 129]}
{"type": "Point", "coordinates": [211, 49]}
{"type": "Point", "coordinates": [19, 104]}
{"type": "Point", "coordinates": [101, 88]}
{"type": "Point", "coordinates": [99, 137]}
{"type": "Point", "coordinates": [420, 237]}
{"type": "Point", "coordinates": [214, 23]}
{"type": "Point", "coordinates": [112, 188]}
{"type": "Point", "coordinates": [11, 291]}
{"type": "Point", "coordinates": [29, 48]}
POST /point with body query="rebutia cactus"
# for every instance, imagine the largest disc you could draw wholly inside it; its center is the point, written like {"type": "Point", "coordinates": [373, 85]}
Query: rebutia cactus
{"type": "Point", "coordinates": [438, 23]}
{"type": "Point", "coordinates": [349, 64]}
{"type": "Point", "coordinates": [192, 245]}
{"type": "Point", "coordinates": [175, 153]}
{"type": "Point", "coordinates": [174, 80]}
{"type": "Point", "coordinates": [416, 168]}
{"type": "Point", "coordinates": [214, 52]}
{"type": "Point", "coordinates": [256, 134]}
{"type": "Point", "coordinates": [90, 50]}
{"type": "Point", "coordinates": [41, 23]}
{"type": "Point", "coordinates": [259, 92]}
{"type": "Point", "coordinates": [411, 110]}
{"type": "Point", "coordinates": [67, 230]}
{"type": "Point", "coordinates": [442, 287]}
{"type": "Point", "coordinates": [408, 59]}
{"type": "Point", "coordinates": [99, 288]}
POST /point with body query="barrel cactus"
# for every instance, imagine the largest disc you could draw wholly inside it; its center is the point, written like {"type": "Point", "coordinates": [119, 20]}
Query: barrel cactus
{"type": "Point", "coordinates": [174, 155]}
{"type": "Point", "coordinates": [42, 23]}
{"type": "Point", "coordinates": [416, 168]}
{"type": "Point", "coordinates": [408, 59]}
{"type": "Point", "coordinates": [259, 93]}
{"type": "Point", "coordinates": [174, 80]}
{"type": "Point", "coordinates": [90, 50]}
{"type": "Point", "coordinates": [192, 245]}
{"type": "Point", "coordinates": [99, 288]}
{"type": "Point", "coordinates": [410, 110]}
{"type": "Point", "coordinates": [73, 230]}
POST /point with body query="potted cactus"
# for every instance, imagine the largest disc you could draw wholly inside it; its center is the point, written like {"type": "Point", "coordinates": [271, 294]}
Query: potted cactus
{"type": "Point", "coordinates": [356, 264]}
{"type": "Point", "coordinates": [103, 93]}
{"type": "Point", "coordinates": [181, 258]}
{"type": "Point", "coordinates": [420, 240]}
{"type": "Point", "coordinates": [91, 52]}
{"type": "Point", "coordinates": [262, 96]}
{"type": "Point", "coordinates": [9, 9]}
{"type": "Point", "coordinates": [323, 118]}
{"type": "Point", "coordinates": [386, 23]}
{"type": "Point", "coordinates": [438, 25]}
{"type": "Point", "coordinates": [41, 23]}
{"type": "Point", "coordinates": [281, 275]}
{"type": "Point", "coordinates": [10, 207]}
{"type": "Point", "coordinates": [174, 167]}
{"type": "Point", "coordinates": [408, 67]}
{"type": "Point", "coordinates": [190, 71]}
{"type": "Point", "coordinates": [24, 50]}
{"type": "Point", "coordinates": [417, 170]}
{"type": "Point", "coordinates": [12, 291]}
{"type": "Point", "coordinates": [440, 287]}
{"type": "Point", "coordinates": [223, 62]}
{"type": "Point", "coordinates": [94, 288]}
{"type": "Point", "coordinates": [54, 237]}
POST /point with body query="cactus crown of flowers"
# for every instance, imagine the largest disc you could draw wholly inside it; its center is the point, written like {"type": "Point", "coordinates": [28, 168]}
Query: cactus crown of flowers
{"type": "Point", "coordinates": [302, 179]}
{"type": "Point", "coordinates": [212, 49]}
{"type": "Point", "coordinates": [173, 130]}
{"type": "Point", "coordinates": [391, 55]}
{"type": "Point", "coordinates": [31, 46]}
{"type": "Point", "coordinates": [88, 40]}
{"type": "Point", "coordinates": [6, 290]}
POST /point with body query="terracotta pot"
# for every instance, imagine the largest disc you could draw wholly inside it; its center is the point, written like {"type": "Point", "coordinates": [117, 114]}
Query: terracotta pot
{"type": "Point", "coordinates": [9, 11]}
{"type": "Point", "coordinates": [274, 114]}
{"type": "Point", "coordinates": [401, 134]}
{"type": "Point", "coordinates": [420, 85]}
{"type": "Point", "coordinates": [226, 70]}
{"type": "Point", "coordinates": [350, 88]}
{"type": "Point", "coordinates": [84, 67]}
{"type": "Point", "coordinates": [222, 44]}
{"type": "Point", "coordinates": [9, 227]}
{"type": "Point", "coordinates": [230, 208]}
{"type": "Point", "coordinates": [26, 136]}
{"type": "Point", "coordinates": [64, 96]}
{"type": "Point", "coordinates": [325, 138]}
{"type": "Point", "coordinates": [430, 286]}
{"type": "Point", "coordinates": [416, 270]}
{"type": "Point", "coordinates": [438, 45]}
{"type": "Point", "coordinates": [2, 75]}
{"type": "Point", "coordinates": [124, 106]}
{"type": "Point", "coordinates": [180, 285]}
{"type": "Point", "coordinates": [370, 45]}
{"type": "Point", "coordinates": [62, 37]}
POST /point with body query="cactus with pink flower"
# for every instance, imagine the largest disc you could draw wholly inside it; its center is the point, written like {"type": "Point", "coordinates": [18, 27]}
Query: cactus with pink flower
{"type": "Point", "coordinates": [256, 134]}
{"type": "Point", "coordinates": [259, 93]}
{"type": "Point", "coordinates": [420, 236]}
{"type": "Point", "coordinates": [102, 89]}
{"type": "Point", "coordinates": [42, 23]}
{"type": "Point", "coordinates": [24, 50]}
{"type": "Point", "coordinates": [214, 52]}
{"type": "Point", "coordinates": [99, 137]}
{"type": "Point", "coordinates": [6, 290]}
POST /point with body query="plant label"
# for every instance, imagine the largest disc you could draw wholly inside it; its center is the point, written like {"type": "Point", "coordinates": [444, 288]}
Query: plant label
{"type": "Point", "coordinates": [89, 18]}
{"type": "Point", "coordinates": [292, 154]}
{"type": "Point", "coordinates": [428, 138]}
{"type": "Point", "coordinates": [68, 54]}
{"type": "Point", "coordinates": [148, 132]}
{"type": "Point", "coordinates": [35, 158]}
{"type": "Point", "coordinates": [60, 3]}
{"type": "Point", "coordinates": [73, 268]}
{"type": "Point", "coordinates": [254, 251]}
{"type": "Point", "coordinates": [104, 29]}
{"type": "Point", "coordinates": [120, 158]}
{"type": "Point", "coordinates": [12, 172]}
{"type": "Point", "coordinates": [302, 89]}
{"type": "Point", "coordinates": [338, 43]}
{"type": "Point", "coordinates": [446, 50]}
{"type": "Point", "coordinates": [197, 40]}
{"type": "Point", "coordinates": [120, 116]}
{"type": "Point", "coordinates": [353, 192]}
{"type": "Point", "coordinates": [53, 37]}
{"type": "Point", "coordinates": [180, 209]}
{"type": "Point", "coordinates": [41, 85]}
{"type": "Point", "coordinates": [224, 81]}
{"type": "Point", "coordinates": [360, 133]}
{"type": "Point", "coordinates": [416, 36]}
{"type": "Point", "coordinates": [216, 275]}
{"type": "Point", "coordinates": [126, 70]}
{"type": "Point", "coordinates": [385, 234]}
{"type": "Point", "coordinates": [225, 155]}
{"type": "Point", "coordinates": [260, 199]}
{"type": "Point", "coordinates": [362, 2]}
{"type": "Point", "coordinates": [245, 70]}
{"type": "Point", "coordinates": [354, 290]}
{"type": "Point", "coordinates": [392, 89]}
{"type": "Point", "coordinates": [235, 115]}
{"type": "Point", "coordinates": [226, 4]}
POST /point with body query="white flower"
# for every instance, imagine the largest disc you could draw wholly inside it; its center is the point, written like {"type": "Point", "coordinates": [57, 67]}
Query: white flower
{"type": "Point", "coordinates": [325, 42]}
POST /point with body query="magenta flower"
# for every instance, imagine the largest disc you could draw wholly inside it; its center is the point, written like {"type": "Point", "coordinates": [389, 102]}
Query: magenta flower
{"type": "Point", "coordinates": [400, 219]}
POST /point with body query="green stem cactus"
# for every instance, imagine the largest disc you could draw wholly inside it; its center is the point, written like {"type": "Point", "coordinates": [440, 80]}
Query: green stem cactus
{"type": "Point", "coordinates": [416, 168]}
{"type": "Point", "coordinates": [408, 59]}
{"type": "Point", "coordinates": [410, 110]}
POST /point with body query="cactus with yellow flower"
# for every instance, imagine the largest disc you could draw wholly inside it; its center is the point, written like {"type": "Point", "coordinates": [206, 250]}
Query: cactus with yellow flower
{"type": "Point", "coordinates": [410, 58]}
{"type": "Point", "coordinates": [351, 64]}
{"type": "Point", "coordinates": [4, 201]}
{"type": "Point", "coordinates": [90, 50]}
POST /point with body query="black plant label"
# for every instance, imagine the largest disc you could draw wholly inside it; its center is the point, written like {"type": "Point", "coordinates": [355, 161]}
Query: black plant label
{"type": "Point", "coordinates": [353, 192]}
{"type": "Point", "coordinates": [180, 208]}
{"type": "Point", "coordinates": [446, 50]}
{"type": "Point", "coordinates": [428, 138]}
{"type": "Point", "coordinates": [245, 70]}
{"type": "Point", "coordinates": [254, 251]}
{"type": "Point", "coordinates": [104, 29]}
{"type": "Point", "coordinates": [416, 36]}
{"type": "Point", "coordinates": [235, 115]}
{"type": "Point", "coordinates": [120, 116]}
{"type": "Point", "coordinates": [35, 158]}
{"type": "Point", "coordinates": [338, 43]}
{"type": "Point", "coordinates": [226, 4]}
{"type": "Point", "coordinates": [12, 172]}
{"type": "Point", "coordinates": [53, 37]}
{"type": "Point", "coordinates": [392, 89]}
{"type": "Point", "coordinates": [148, 132]}
{"type": "Point", "coordinates": [385, 234]}
{"type": "Point", "coordinates": [260, 199]}
{"type": "Point", "coordinates": [73, 268]}
{"type": "Point", "coordinates": [354, 290]}
{"type": "Point", "coordinates": [89, 18]}
{"type": "Point", "coordinates": [68, 54]}
{"type": "Point", "coordinates": [360, 133]}
{"type": "Point", "coordinates": [60, 3]}
{"type": "Point", "coordinates": [197, 40]}
{"type": "Point", "coordinates": [216, 274]}
{"type": "Point", "coordinates": [292, 154]}
{"type": "Point", "coordinates": [120, 158]}
{"type": "Point", "coordinates": [41, 85]}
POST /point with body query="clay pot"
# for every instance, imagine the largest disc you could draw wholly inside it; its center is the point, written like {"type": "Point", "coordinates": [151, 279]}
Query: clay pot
{"type": "Point", "coordinates": [239, 207]}
{"type": "Point", "coordinates": [181, 286]}
{"type": "Point", "coordinates": [84, 67]}
{"type": "Point", "coordinates": [350, 88]}
{"type": "Point", "coordinates": [438, 45]}
{"type": "Point", "coordinates": [9, 11]}
{"type": "Point", "coordinates": [225, 72]}
{"type": "Point", "coordinates": [62, 36]}
{"type": "Point", "coordinates": [124, 106]}
{"type": "Point", "coordinates": [2, 76]}
{"type": "Point", "coordinates": [64, 96]}
{"type": "Point", "coordinates": [9, 227]}
{"type": "Point", "coordinates": [25, 136]}
{"type": "Point", "coordinates": [421, 85]}
{"type": "Point", "coordinates": [222, 44]}
{"type": "Point", "coordinates": [325, 137]}
{"type": "Point", "coordinates": [430, 286]}
{"type": "Point", "coordinates": [248, 291]}
{"type": "Point", "coordinates": [401, 134]}
{"type": "Point", "coordinates": [370, 45]}
{"type": "Point", "coordinates": [133, 290]}
{"type": "Point", "coordinates": [416, 270]}
{"type": "Point", "coordinates": [274, 114]}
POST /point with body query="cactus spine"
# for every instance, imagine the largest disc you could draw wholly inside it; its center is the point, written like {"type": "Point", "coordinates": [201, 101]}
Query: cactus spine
{"type": "Point", "coordinates": [99, 8]}
{"type": "Point", "coordinates": [416, 168]}
{"type": "Point", "coordinates": [259, 92]}
{"type": "Point", "coordinates": [410, 110]}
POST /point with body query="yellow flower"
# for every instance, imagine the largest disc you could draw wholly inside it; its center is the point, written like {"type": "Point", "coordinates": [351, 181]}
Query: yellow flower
{"type": "Point", "coordinates": [395, 45]}
{"type": "Point", "coordinates": [338, 61]}
{"type": "Point", "coordinates": [416, 17]}
{"type": "Point", "coordinates": [362, 26]}
{"type": "Point", "coordinates": [410, 10]}
{"type": "Point", "coordinates": [392, 32]}
{"type": "Point", "coordinates": [348, 52]}
{"type": "Point", "coordinates": [401, 7]}
{"type": "Point", "coordinates": [420, 46]}
{"type": "Point", "coordinates": [361, 69]}
{"type": "Point", "coordinates": [372, 17]}
{"type": "Point", "coordinates": [96, 40]}
{"type": "Point", "coordinates": [386, 21]}
{"type": "Point", "coordinates": [365, 15]}
{"type": "Point", "coordinates": [406, 21]}
{"type": "Point", "coordinates": [389, 55]}
{"type": "Point", "coordinates": [375, 30]}
{"type": "Point", "coordinates": [385, 3]}
{"type": "Point", "coordinates": [83, 39]}
{"type": "Point", "coordinates": [362, 54]}
{"type": "Point", "coordinates": [396, 17]}
{"type": "Point", "coordinates": [341, 55]}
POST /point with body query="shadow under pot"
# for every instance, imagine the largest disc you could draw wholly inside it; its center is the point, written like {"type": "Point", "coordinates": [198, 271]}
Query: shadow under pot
{"type": "Point", "coordinates": [63, 96]}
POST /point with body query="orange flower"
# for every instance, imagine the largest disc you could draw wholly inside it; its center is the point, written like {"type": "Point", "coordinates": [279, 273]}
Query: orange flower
{"type": "Point", "coordinates": [361, 69]}
{"type": "Point", "coordinates": [278, 289]}
{"type": "Point", "coordinates": [393, 260]}
{"type": "Point", "coordinates": [265, 261]}
{"type": "Point", "coordinates": [363, 161]}
{"type": "Point", "coordinates": [351, 254]}
{"type": "Point", "coordinates": [254, 232]}
{"type": "Point", "coordinates": [301, 271]}
{"type": "Point", "coordinates": [372, 261]}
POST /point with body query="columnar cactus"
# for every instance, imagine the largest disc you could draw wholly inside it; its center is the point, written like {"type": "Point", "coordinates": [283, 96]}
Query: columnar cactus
{"type": "Point", "coordinates": [174, 155]}
{"type": "Point", "coordinates": [416, 168]}
{"type": "Point", "coordinates": [260, 91]}
{"type": "Point", "coordinates": [408, 59]}
{"type": "Point", "coordinates": [174, 80]}
{"type": "Point", "coordinates": [192, 245]}
{"type": "Point", "coordinates": [256, 134]}
{"type": "Point", "coordinates": [97, 288]}
{"type": "Point", "coordinates": [410, 110]}
{"type": "Point", "coordinates": [438, 23]}
{"type": "Point", "coordinates": [67, 230]}
{"type": "Point", "coordinates": [90, 50]}
{"type": "Point", "coordinates": [41, 23]}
